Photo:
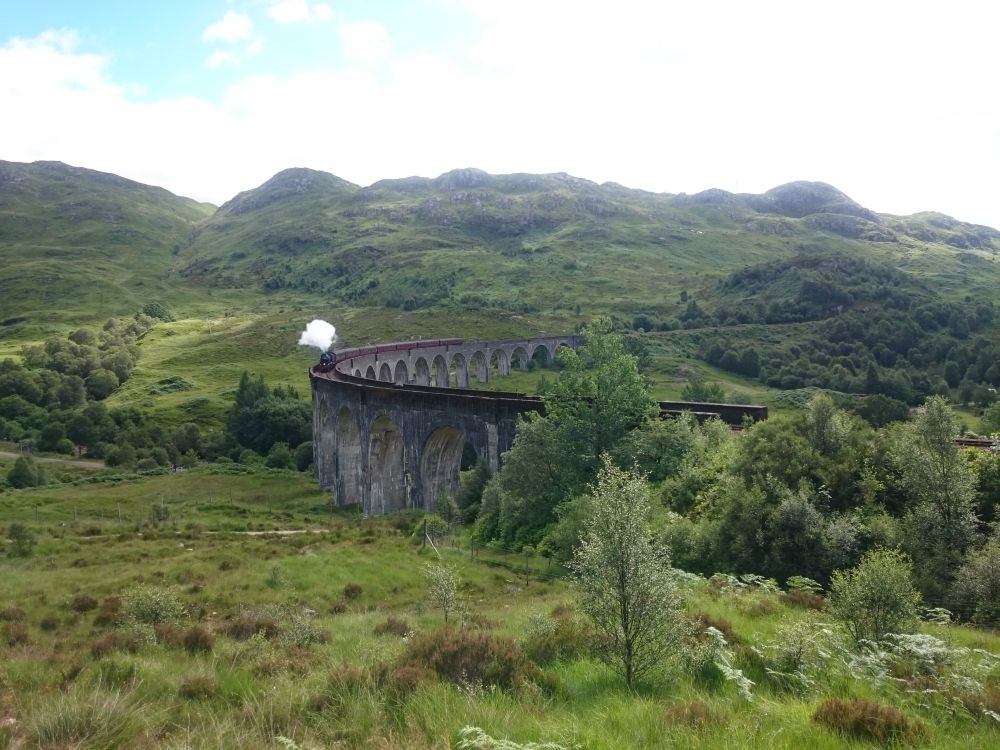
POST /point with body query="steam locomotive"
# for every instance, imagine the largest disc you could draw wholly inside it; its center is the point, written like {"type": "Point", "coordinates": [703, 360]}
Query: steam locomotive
{"type": "Point", "coordinates": [328, 359]}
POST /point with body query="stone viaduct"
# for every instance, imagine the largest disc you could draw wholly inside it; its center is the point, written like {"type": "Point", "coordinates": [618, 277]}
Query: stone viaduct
{"type": "Point", "coordinates": [391, 421]}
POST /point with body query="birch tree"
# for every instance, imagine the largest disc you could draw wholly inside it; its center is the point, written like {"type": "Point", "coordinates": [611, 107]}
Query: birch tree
{"type": "Point", "coordinates": [624, 580]}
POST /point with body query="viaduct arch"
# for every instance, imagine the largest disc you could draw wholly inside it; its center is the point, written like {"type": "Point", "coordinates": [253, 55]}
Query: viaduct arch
{"type": "Point", "coordinates": [391, 421]}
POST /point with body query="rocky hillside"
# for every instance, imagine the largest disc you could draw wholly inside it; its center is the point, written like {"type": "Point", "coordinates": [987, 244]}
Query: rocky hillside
{"type": "Point", "coordinates": [532, 242]}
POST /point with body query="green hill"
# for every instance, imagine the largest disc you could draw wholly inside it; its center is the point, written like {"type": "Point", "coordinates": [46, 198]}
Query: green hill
{"type": "Point", "coordinates": [802, 273]}
{"type": "Point", "coordinates": [79, 245]}
{"type": "Point", "coordinates": [542, 243]}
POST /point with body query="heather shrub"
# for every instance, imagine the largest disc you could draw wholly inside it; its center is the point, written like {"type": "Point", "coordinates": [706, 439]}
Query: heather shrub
{"type": "Point", "coordinates": [109, 612]}
{"type": "Point", "coordinates": [49, 623]}
{"type": "Point", "coordinates": [469, 657]}
{"type": "Point", "coordinates": [12, 614]}
{"type": "Point", "coordinates": [15, 633]}
{"type": "Point", "coordinates": [198, 687]}
{"type": "Point", "coordinates": [82, 603]}
{"type": "Point", "coordinates": [352, 591]}
{"type": "Point", "coordinates": [804, 600]}
{"type": "Point", "coordinates": [867, 720]}
{"type": "Point", "coordinates": [702, 621]}
{"type": "Point", "coordinates": [393, 626]}
{"type": "Point", "coordinates": [249, 623]}
{"type": "Point", "coordinates": [197, 639]}
{"type": "Point", "coordinates": [168, 634]}
{"type": "Point", "coordinates": [115, 641]}
{"type": "Point", "coordinates": [695, 714]}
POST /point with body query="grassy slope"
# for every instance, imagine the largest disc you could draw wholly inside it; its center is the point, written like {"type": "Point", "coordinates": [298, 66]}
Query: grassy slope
{"type": "Point", "coordinates": [50, 683]}
{"type": "Point", "coordinates": [481, 256]}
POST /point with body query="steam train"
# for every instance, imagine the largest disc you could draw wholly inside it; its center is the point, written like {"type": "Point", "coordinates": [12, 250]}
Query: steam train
{"type": "Point", "coordinates": [328, 359]}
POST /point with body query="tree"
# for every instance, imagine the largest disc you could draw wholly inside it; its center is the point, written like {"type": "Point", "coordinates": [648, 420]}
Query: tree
{"type": "Point", "coordinates": [977, 588]}
{"type": "Point", "coordinates": [700, 390]}
{"type": "Point", "coordinates": [826, 425]}
{"type": "Point", "coordinates": [304, 456]}
{"type": "Point", "coordinates": [22, 541]}
{"type": "Point", "coordinates": [442, 588]}
{"type": "Point", "coordinates": [24, 473]}
{"type": "Point", "coordinates": [623, 579]}
{"type": "Point", "coordinates": [596, 401]}
{"type": "Point", "coordinates": [991, 418]}
{"type": "Point", "coordinates": [101, 384]}
{"type": "Point", "coordinates": [81, 431]}
{"type": "Point", "coordinates": [279, 457]}
{"type": "Point", "coordinates": [876, 597]}
{"type": "Point", "coordinates": [941, 486]}
{"type": "Point", "coordinates": [599, 396]}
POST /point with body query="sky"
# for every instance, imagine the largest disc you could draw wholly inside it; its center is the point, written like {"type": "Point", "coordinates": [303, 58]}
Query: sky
{"type": "Point", "coordinates": [894, 103]}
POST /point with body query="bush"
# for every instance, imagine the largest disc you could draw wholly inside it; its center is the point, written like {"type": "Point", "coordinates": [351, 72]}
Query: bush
{"type": "Point", "coordinates": [198, 687]}
{"type": "Point", "coordinates": [168, 634]}
{"type": "Point", "coordinates": [116, 641]}
{"type": "Point", "coordinates": [804, 600]}
{"type": "Point", "coordinates": [550, 639]}
{"type": "Point", "coordinates": [868, 720]}
{"type": "Point", "coordinates": [876, 597]}
{"type": "Point", "coordinates": [15, 633]}
{"type": "Point", "coordinates": [22, 541]}
{"type": "Point", "coordinates": [150, 605]}
{"type": "Point", "coordinates": [695, 714]}
{"type": "Point", "coordinates": [49, 623]}
{"type": "Point", "coordinates": [12, 614]}
{"type": "Point", "coordinates": [352, 591]}
{"type": "Point", "coordinates": [197, 639]}
{"type": "Point", "coordinates": [109, 612]}
{"type": "Point", "coordinates": [300, 631]}
{"type": "Point", "coordinates": [393, 626]}
{"type": "Point", "coordinates": [468, 656]}
{"type": "Point", "coordinates": [82, 603]}
{"type": "Point", "coordinates": [249, 623]}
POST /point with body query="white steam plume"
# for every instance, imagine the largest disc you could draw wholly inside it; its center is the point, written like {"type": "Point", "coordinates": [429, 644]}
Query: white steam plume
{"type": "Point", "coordinates": [320, 334]}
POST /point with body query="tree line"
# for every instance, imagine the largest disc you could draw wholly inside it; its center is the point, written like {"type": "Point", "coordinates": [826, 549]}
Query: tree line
{"type": "Point", "coordinates": [802, 495]}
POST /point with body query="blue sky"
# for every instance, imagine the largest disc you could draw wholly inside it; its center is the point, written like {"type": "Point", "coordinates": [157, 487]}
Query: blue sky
{"type": "Point", "coordinates": [892, 102]}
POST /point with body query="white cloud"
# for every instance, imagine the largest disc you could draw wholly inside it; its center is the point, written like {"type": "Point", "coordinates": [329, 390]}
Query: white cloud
{"type": "Point", "coordinates": [299, 11]}
{"type": "Point", "coordinates": [664, 97]}
{"type": "Point", "coordinates": [364, 42]}
{"type": "Point", "coordinates": [232, 27]}
{"type": "Point", "coordinates": [222, 57]}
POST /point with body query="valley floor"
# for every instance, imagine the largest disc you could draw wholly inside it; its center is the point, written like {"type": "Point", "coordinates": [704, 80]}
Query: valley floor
{"type": "Point", "coordinates": [336, 613]}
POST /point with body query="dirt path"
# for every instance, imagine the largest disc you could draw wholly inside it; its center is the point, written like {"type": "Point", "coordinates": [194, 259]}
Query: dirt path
{"type": "Point", "coordinates": [67, 461]}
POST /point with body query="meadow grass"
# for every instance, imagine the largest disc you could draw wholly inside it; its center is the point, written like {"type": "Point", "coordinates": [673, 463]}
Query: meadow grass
{"type": "Point", "coordinates": [344, 576]}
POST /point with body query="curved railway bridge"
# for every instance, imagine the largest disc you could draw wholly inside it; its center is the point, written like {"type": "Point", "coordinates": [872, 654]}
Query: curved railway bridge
{"type": "Point", "coordinates": [391, 422]}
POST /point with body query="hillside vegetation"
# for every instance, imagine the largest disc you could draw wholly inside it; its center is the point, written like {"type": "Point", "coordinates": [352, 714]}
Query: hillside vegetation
{"type": "Point", "coordinates": [826, 292]}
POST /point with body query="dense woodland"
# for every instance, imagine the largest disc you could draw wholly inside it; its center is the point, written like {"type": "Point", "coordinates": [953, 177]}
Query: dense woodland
{"type": "Point", "coordinates": [792, 496]}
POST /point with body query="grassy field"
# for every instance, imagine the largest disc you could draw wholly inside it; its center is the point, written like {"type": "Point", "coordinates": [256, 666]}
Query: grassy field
{"type": "Point", "coordinates": [73, 673]}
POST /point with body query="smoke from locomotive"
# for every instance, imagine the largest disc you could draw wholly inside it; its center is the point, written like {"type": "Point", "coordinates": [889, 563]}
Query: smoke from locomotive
{"type": "Point", "coordinates": [320, 334]}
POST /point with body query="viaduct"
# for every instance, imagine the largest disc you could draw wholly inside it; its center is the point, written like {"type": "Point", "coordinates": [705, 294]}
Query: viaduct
{"type": "Point", "coordinates": [391, 421]}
